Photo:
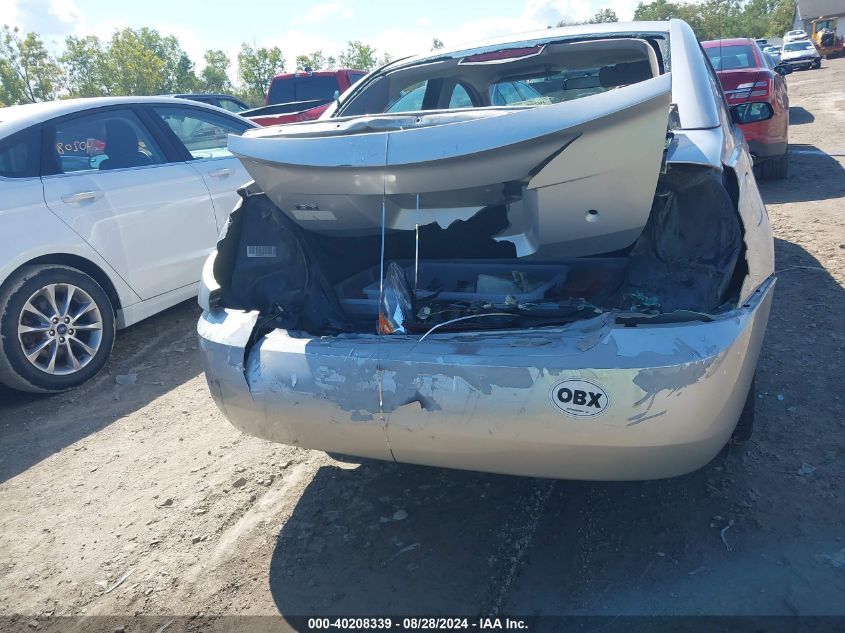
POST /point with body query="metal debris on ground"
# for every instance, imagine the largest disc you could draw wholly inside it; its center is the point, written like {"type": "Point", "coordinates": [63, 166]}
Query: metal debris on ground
{"type": "Point", "coordinates": [722, 534]}
{"type": "Point", "coordinates": [806, 469]}
{"type": "Point", "coordinates": [120, 581]}
{"type": "Point", "coordinates": [126, 379]}
{"type": "Point", "coordinates": [404, 550]}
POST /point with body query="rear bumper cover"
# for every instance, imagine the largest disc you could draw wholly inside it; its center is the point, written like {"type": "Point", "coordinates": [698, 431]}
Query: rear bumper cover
{"type": "Point", "coordinates": [762, 150]}
{"type": "Point", "coordinates": [486, 401]}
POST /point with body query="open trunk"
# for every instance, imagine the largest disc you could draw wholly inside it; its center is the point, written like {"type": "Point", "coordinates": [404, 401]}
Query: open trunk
{"type": "Point", "coordinates": [484, 217]}
{"type": "Point", "coordinates": [574, 283]}
{"type": "Point", "coordinates": [685, 264]}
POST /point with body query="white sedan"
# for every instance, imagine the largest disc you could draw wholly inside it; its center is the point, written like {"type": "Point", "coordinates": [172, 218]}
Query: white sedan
{"type": "Point", "coordinates": [108, 208]}
{"type": "Point", "coordinates": [794, 36]}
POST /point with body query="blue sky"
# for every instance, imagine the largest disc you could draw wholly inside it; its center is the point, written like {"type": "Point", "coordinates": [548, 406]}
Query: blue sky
{"type": "Point", "coordinates": [398, 27]}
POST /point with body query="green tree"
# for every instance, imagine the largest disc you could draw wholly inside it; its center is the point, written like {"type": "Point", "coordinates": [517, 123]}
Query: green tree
{"type": "Point", "coordinates": [143, 62]}
{"type": "Point", "coordinates": [132, 68]}
{"type": "Point", "coordinates": [184, 76]}
{"type": "Point", "coordinates": [358, 55]}
{"type": "Point", "coordinates": [604, 15]}
{"type": "Point", "coordinates": [178, 70]}
{"type": "Point", "coordinates": [754, 17]}
{"type": "Point", "coordinates": [314, 61]}
{"type": "Point", "coordinates": [717, 19]}
{"type": "Point", "coordinates": [84, 63]}
{"type": "Point", "coordinates": [780, 20]}
{"type": "Point", "coordinates": [436, 44]}
{"type": "Point", "coordinates": [215, 76]}
{"type": "Point", "coordinates": [658, 10]}
{"type": "Point", "coordinates": [256, 67]}
{"type": "Point", "coordinates": [28, 73]}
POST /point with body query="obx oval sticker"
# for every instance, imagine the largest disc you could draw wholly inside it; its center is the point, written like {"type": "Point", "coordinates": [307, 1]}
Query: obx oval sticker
{"type": "Point", "coordinates": [579, 398]}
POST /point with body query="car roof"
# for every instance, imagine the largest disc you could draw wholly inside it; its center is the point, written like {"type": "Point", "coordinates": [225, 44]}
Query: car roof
{"type": "Point", "coordinates": [192, 95]}
{"type": "Point", "coordinates": [530, 37]}
{"type": "Point", "coordinates": [18, 117]}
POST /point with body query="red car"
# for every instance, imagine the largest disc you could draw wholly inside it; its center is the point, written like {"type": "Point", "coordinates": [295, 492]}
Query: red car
{"type": "Point", "coordinates": [302, 96]}
{"type": "Point", "coordinates": [747, 74]}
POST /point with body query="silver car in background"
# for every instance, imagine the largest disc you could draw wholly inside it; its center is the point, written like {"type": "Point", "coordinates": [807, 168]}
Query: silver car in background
{"type": "Point", "coordinates": [801, 54]}
{"type": "Point", "coordinates": [572, 281]}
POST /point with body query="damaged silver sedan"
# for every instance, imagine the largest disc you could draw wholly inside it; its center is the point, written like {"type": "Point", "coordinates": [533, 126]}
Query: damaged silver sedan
{"type": "Point", "coordinates": [542, 256]}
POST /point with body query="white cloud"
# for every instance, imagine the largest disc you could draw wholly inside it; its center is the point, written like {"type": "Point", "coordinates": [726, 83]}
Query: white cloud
{"type": "Point", "coordinates": [50, 18]}
{"type": "Point", "coordinates": [9, 11]}
{"type": "Point", "coordinates": [320, 12]}
{"type": "Point", "coordinates": [190, 42]}
{"type": "Point", "coordinates": [65, 11]}
{"type": "Point", "coordinates": [535, 15]}
{"type": "Point", "coordinates": [417, 36]}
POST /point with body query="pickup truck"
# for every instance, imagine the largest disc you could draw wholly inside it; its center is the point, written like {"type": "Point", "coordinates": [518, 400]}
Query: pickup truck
{"type": "Point", "coordinates": [301, 96]}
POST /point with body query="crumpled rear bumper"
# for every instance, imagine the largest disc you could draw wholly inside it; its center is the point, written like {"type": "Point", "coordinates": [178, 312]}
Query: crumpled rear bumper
{"type": "Point", "coordinates": [487, 401]}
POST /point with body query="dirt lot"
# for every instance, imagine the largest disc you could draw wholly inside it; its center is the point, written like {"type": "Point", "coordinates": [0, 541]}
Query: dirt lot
{"type": "Point", "coordinates": [149, 480]}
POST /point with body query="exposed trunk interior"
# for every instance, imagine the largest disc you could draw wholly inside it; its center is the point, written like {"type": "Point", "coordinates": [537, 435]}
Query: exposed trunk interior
{"type": "Point", "coordinates": [686, 264]}
{"type": "Point", "coordinates": [435, 202]}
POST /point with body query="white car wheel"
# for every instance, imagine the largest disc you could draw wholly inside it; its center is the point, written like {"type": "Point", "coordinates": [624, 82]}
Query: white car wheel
{"type": "Point", "coordinates": [57, 327]}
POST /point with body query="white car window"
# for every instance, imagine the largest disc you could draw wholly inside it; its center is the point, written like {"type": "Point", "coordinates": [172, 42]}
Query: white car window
{"type": "Point", "coordinates": [19, 155]}
{"type": "Point", "coordinates": [505, 93]}
{"type": "Point", "coordinates": [110, 139]}
{"type": "Point", "coordinates": [410, 99]}
{"type": "Point", "coordinates": [231, 105]}
{"type": "Point", "coordinates": [460, 98]}
{"type": "Point", "coordinates": [204, 134]}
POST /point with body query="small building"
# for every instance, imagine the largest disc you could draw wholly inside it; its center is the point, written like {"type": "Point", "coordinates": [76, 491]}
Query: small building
{"type": "Point", "coordinates": [808, 10]}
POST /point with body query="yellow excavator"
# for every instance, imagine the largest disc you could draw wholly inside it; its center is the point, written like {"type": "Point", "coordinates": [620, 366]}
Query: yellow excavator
{"type": "Point", "coordinates": [826, 39]}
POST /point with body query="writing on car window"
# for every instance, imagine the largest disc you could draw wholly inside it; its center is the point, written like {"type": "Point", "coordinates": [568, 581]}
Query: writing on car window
{"type": "Point", "coordinates": [103, 141]}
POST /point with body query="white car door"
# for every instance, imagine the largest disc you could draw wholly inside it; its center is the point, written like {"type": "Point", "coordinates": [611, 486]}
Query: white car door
{"type": "Point", "coordinates": [204, 133]}
{"type": "Point", "coordinates": [108, 178]}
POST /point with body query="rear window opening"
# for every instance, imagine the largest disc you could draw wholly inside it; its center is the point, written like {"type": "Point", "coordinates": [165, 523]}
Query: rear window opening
{"type": "Point", "coordinates": [541, 75]}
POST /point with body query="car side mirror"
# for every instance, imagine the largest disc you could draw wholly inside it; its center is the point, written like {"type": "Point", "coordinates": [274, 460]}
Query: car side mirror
{"type": "Point", "coordinates": [751, 112]}
{"type": "Point", "coordinates": [336, 95]}
{"type": "Point", "coordinates": [783, 69]}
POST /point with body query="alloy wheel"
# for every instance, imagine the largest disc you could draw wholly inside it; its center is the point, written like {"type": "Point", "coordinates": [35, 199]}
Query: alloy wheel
{"type": "Point", "coordinates": [60, 329]}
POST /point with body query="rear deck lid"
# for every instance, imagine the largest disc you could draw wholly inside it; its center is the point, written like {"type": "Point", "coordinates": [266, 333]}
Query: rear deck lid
{"type": "Point", "coordinates": [578, 175]}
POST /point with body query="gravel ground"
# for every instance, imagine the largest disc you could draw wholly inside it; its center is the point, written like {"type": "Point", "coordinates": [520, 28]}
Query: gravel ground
{"type": "Point", "coordinates": [140, 498]}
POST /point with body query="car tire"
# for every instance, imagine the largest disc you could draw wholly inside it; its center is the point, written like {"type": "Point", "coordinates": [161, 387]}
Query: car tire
{"type": "Point", "coordinates": [745, 424]}
{"type": "Point", "coordinates": [773, 168]}
{"type": "Point", "coordinates": [57, 329]}
{"type": "Point", "coordinates": [781, 168]}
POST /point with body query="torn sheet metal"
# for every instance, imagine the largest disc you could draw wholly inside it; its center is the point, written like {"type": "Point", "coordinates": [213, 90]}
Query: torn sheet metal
{"type": "Point", "coordinates": [481, 400]}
